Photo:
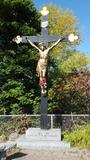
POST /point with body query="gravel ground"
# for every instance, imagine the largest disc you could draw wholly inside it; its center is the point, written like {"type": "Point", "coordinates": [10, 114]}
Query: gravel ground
{"type": "Point", "coordinates": [68, 154]}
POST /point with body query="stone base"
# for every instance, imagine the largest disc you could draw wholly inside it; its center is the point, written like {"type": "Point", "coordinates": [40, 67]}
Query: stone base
{"type": "Point", "coordinates": [36, 138]}
{"type": "Point", "coordinates": [44, 135]}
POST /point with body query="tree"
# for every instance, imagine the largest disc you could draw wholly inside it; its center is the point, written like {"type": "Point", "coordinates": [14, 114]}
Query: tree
{"type": "Point", "coordinates": [65, 59]}
{"type": "Point", "coordinates": [18, 81]}
{"type": "Point", "coordinates": [74, 93]}
{"type": "Point", "coordinates": [19, 91]}
{"type": "Point", "coordinates": [62, 22]}
{"type": "Point", "coordinates": [73, 62]}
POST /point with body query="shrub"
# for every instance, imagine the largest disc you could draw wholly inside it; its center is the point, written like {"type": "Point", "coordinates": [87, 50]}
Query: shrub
{"type": "Point", "coordinates": [14, 124]}
{"type": "Point", "coordinates": [23, 125]}
{"type": "Point", "coordinates": [79, 138]}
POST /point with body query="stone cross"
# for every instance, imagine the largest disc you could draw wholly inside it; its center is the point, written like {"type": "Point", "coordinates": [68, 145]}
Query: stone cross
{"type": "Point", "coordinates": [45, 39]}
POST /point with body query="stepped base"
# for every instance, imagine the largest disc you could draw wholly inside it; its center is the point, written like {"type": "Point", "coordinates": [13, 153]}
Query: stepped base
{"type": "Point", "coordinates": [36, 138]}
{"type": "Point", "coordinates": [41, 134]}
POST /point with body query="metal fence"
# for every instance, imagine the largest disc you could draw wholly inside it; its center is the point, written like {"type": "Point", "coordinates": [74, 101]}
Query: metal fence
{"type": "Point", "coordinates": [65, 121]}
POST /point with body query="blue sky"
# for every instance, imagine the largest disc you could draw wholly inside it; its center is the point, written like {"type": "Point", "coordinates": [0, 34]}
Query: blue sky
{"type": "Point", "coordinates": [81, 9]}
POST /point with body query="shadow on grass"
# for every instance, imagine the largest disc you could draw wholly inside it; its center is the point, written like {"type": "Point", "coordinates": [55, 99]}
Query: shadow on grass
{"type": "Point", "coordinates": [16, 155]}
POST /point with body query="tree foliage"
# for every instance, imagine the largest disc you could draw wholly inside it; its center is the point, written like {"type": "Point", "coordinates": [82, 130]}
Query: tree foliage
{"type": "Point", "coordinates": [65, 61]}
{"type": "Point", "coordinates": [18, 81]}
{"type": "Point", "coordinates": [75, 61]}
{"type": "Point", "coordinates": [74, 93]}
{"type": "Point", "coordinates": [19, 91]}
{"type": "Point", "coordinates": [62, 22]}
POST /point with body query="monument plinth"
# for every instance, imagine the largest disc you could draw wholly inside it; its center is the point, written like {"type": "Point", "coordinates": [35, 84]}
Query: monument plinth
{"type": "Point", "coordinates": [39, 134]}
{"type": "Point", "coordinates": [36, 138]}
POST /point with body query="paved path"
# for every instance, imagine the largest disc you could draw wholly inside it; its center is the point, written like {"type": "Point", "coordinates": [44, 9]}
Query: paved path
{"type": "Point", "coordinates": [68, 154]}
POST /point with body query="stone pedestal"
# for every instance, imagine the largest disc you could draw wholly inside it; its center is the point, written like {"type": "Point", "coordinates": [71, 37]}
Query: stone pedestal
{"type": "Point", "coordinates": [36, 138]}
{"type": "Point", "coordinates": [43, 135]}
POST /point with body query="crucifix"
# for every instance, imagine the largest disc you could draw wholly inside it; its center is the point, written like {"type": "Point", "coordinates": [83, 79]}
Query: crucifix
{"type": "Point", "coordinates": [42, 65]}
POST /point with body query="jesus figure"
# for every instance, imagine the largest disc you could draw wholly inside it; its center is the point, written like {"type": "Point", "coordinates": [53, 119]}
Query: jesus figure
{"type": "Point", "coordinates": [43, 61]}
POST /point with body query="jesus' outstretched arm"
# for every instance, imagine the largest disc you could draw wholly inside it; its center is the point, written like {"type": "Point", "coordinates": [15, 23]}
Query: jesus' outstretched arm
{"type": "Point", "coordinates": [33, 45]}
{"type": "Point", "coordinates": [55, 44]}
